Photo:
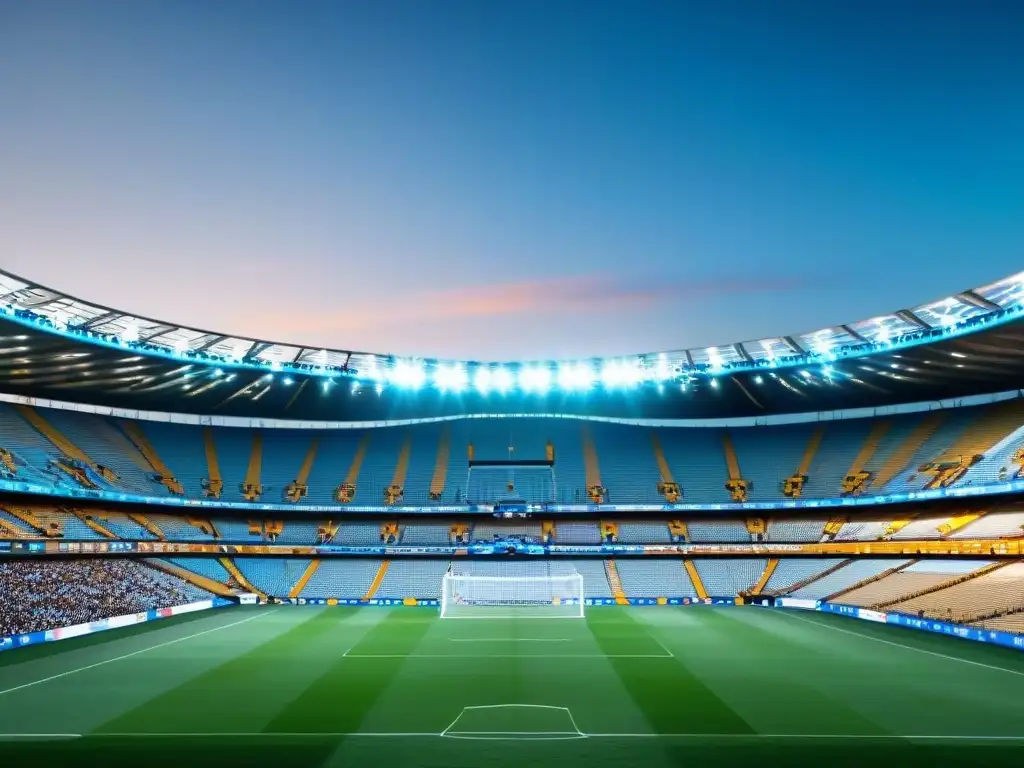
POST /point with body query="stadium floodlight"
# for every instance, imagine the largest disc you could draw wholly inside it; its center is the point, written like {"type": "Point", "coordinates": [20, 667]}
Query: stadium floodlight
{"type": "Point", "coordinates": [450, 378]}
{"type": "Point", "coordinates": [408, 374]}
{"type": "Point", "coordinates": [507, 597]}
{"type": "Point", "coordinates": [535, 378]}
{"type": "Point", "coordinates": [180, 346]}
{"type": "Point", "coordinates": [502, 379]}
{"type": "Point", "coordinates": [661, 370]}
{"type": "Point", "coordinates": [948, 321]}
{"type": "Point", "coordinates": [619, 373]}
{"type": "Point", "coordinates": [482, 380]}
{"type": "Point", "coordinates": [130, 334]}
{"type": "Point", "coordinates": [574, 378]}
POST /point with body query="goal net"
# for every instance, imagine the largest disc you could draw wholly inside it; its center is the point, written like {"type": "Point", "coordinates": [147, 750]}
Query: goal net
{"type": "Point", "coordinates": [466, 596]}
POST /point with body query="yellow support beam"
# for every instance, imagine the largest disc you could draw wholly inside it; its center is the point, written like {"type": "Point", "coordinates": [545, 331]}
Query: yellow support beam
{"type": "Point", "coordinates": [956, 522]}
{"type": "Point", "coordinates": [811, 450]}
{"type": "Point", "coordinates": [664, 471]}
{"type": "Point", "coordinates": [347, 490]}
{"type": "Point", "coordinates": [304, 579]}
{"type": "Point", "coordinates": [377, 580]}
{"type": "Point", "coordinates": [298, 490]}
{"type": "Point", "coordinates": [615, 582]}
{"type": "Point", "coordinates": [148, 524]}
{"type": "Point", "coordinates": [251, 488]}
{"type": "Point", "coordinates": [896, 526]}
{"type": "Point", "coordinates": [898, 459]}
{"type": "Point", "coordinates": [93, 523]}
{"type": "Point", "coordinates": [133, 431]}
{"type": "Point", "coordinates": [769, 569]}
{"type": "Point", "coordinates": [732, 463]}
{"type": "Point", "coordinates": [590, 461]}
{"type": "Point", "coordinates": [698, 585]}
{"type": "Point", "coordinates": [203, 582]}
{"type": "Point", "coordinates": [440, 477]}
{"type": "Point", "coordinates": [54, 435]}
{"type": "Point", "coordinates": [230, 567]}
{"type": "Point", "coordinates": [867, 449]}
{"type": "Point", "coordinates": [214, 483]}
{"type": "Point", "coordinates": [395, 493]}
{"type": "Point", "coordinates": [993, 424]}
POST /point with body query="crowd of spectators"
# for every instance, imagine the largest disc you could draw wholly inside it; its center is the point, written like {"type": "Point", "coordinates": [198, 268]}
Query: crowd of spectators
{"type": "Point", "coordinates": [38, 595]}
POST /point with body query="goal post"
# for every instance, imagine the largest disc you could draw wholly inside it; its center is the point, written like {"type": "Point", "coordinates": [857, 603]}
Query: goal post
{"type": "Point", "coordinates": [466, 596]}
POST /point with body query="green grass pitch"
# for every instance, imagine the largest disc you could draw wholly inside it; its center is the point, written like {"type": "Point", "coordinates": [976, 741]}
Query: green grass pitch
{"type": "Point", "coordinates": [303, 686]}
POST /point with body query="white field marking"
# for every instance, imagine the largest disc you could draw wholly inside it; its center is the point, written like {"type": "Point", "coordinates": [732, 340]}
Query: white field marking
{"type": "Point", "coordinates": [576, 733]}
{"type": "Point", "coordinates": [507, 656]}
{"type": "Point", "coordinates": [134, 653]}
{"type": "Point", "coordinates": [901, 645]}
{"type": "Point", "coordinates": [666, 650]}
{"type": "Point", "coordinates": [435, 735]}
{"type": "Point", "coordinates": [510, 639]}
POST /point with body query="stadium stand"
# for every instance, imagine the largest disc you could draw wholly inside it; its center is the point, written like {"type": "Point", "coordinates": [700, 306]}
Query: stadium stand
{"type": "Point", "coordinates": [917, 577]}
{"type": "Point", "coordinates": [795, 530]}
{"type": "Point", "coordinates": [845, 577]}
{"type": "Point", "coordinates": [997, 591]}
{"type": "Point", "coordinates": [40, 595]}
{"type": "Point", "coordinates": [337, 579]}
{"type": "Point", "coordinates": [727, 578]}
{"type": "Point", "coordinates": [996, 525]}
{"type": "Point", "coordinates": [793, 571]}
{"type": "Point", "coordinates": [316, 466]}
{"type": "Point", "coordinates": [413, 578]}
{"type": "Point", "coordinates": [718, 532]}
{"type": "Point", "coordinates": [654, 578]}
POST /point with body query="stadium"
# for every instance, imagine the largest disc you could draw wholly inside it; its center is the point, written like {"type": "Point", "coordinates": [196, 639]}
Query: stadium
{"type": "Point", "coordinates": [228, 551]}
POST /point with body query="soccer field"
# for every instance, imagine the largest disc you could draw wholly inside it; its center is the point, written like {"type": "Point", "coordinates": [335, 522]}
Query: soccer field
{"type": "Point", "coordinates": [335, 686]}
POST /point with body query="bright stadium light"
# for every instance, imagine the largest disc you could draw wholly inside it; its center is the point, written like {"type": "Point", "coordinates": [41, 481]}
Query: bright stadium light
{"type": "Point", "coordinates": [180, 347]}
{"type": "Point", "coordinates": [130, 334]}
{"type": "Point", "coordinates": [758, 380]}
{"type": "Point", "coordinates": [948, 321]}
{"type": "Point", "coordinates": [408, 374]}
{"type": "Point", "coordinates": [714, 383]}
{"type": "Point", "coordinates": [573, 378]}
{"type": "Point", "coordinates": [620, 373]}
{"type": "Point", "coordinates": [482, 380]}
{"type": "Point", "coordinates": [661, 371]}
{"type": "Point", "coordinates": [450, 378]}
{"type": "Point", "coordinates": [535, 378]}
{"type": "Point", "coordinates": [502, 379]}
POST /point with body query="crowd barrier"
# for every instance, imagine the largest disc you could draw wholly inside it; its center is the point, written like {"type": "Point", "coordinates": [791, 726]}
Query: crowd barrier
{"type": "Point", "coordinates": [965, 491]}
{"type": "Point", "coordinates": [964, 632]}
{"type": "Point", "coordinates": [114, 622]}
{"type": "Point", "coordinates": [985, 548]}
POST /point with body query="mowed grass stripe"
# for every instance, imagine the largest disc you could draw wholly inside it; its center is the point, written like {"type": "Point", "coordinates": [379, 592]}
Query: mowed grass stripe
{"type": "Point", "coordinates": [773, 680]}
{"type": "Point", "coordinates": [672, 697]}
{"type": "Point", "coordinates": [339, 699]}
{"type": "Point", "coordinates": [244, 692]}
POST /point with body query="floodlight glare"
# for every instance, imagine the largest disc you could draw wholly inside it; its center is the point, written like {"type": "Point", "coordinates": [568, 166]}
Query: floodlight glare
{"type": "Point", "coordinates": [130, 334]}
{"type": "Point", "coordinates": [408, 374]}
{"type": "Point", "coordinates": [450, 378]}
{"type": "Point", "coordinates": [482, 380]}
{"type": "Point", "coordinates": [535, 379]}
{"type": "Point", "coordinates": [502, 380]}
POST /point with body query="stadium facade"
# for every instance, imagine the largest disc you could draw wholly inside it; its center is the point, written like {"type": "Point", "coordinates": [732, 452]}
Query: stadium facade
{"type": "Point", "coordinates": [753, 468]}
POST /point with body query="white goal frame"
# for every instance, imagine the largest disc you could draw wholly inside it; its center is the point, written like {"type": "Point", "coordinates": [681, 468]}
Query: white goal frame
{"type": "Point", "coordinates": [512, 597]}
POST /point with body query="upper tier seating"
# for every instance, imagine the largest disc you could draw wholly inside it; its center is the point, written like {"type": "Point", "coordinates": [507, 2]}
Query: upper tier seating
{"type": "Point", "coordinates": [922, 575]}
{"type": "Point", "coordinates": [795, 530]}
{"type": "Point", "coordinates": [413, 578]}
{"type": "Point", "coordinates": [844, 578]}
{"type": "Point", "coordinates": [999, 590]}
{"type": "Point", "coordinates": [654, 578]}
{"type": "Point", "coordinates": [792, 571]}
{"type": "Point", "coordinates": [727, 578]}
{"type": "Point", "coordinates": [720, 532]}
{"type": "Point", "coordinates": [995, 525]}
{"type": "Point", "coordinates": [627, 461]}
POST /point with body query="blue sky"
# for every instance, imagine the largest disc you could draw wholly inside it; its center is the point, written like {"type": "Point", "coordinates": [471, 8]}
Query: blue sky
{"type": "Point", "coordinates": [508, 180]}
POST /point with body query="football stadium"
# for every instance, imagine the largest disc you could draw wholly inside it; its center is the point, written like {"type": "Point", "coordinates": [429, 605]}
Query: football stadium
{"type": "Point", "coordinates": [228, 551]}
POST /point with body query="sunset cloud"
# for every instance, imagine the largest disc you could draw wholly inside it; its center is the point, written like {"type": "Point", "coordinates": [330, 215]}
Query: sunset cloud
{"type": "Point", "coordinates": [557, 296]}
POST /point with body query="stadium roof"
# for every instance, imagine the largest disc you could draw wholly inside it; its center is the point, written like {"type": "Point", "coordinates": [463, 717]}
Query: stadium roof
{"type": "Point", "coordinates": [58, 346]}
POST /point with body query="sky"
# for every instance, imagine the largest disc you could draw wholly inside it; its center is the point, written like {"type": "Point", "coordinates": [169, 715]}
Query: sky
{"type": "Point", "coordinates": [506, 180]}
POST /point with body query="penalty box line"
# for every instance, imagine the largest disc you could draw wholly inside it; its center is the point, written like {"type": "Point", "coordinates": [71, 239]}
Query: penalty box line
{"type": "Point", "coordinates": [349, 655]}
